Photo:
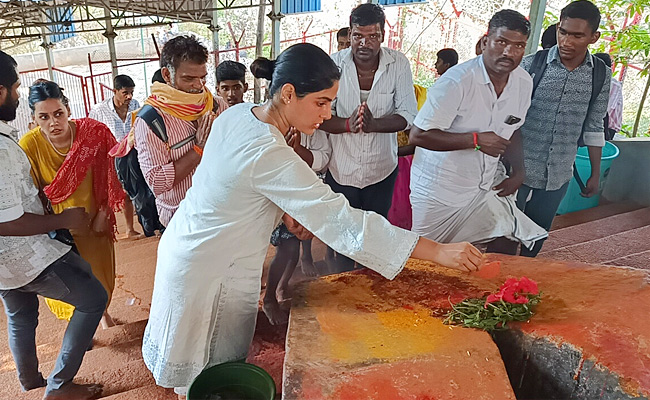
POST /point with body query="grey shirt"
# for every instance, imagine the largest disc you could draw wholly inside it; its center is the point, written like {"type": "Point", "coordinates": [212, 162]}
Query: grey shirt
{"type": "Point", "coordinates": [555, 118]}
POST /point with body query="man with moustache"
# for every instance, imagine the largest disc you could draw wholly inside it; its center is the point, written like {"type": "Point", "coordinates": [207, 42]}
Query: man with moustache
{"type": "Point", "coordinates": [185, 105]}
{"type": "Point", "coordinates": [561, 113]}
{"type": "Point", "coordinates": [375, 100]}
{"type": "Point", "coordinates": [33, 264]}
{"type": "Point", "coordinates": [471, 118]}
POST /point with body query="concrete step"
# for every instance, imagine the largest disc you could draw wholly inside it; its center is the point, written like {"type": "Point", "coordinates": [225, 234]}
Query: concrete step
{"type": "Point", "coordinates": [597, 229]}
{"type": "Point", "coordinates": [150, 392]}
{"type": "Point", "coordinates": [592, 214]}
{"type": "Point", "coordinates": [638, 260]}
{"type": "Point", "coordinates": [604, 250]}
{"type": "Point", "coordinates": [96, 360]}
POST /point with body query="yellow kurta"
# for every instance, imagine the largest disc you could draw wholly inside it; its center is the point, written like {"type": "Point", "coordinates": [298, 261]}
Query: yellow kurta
{"type": "Point", "coordinates": [97, 250]}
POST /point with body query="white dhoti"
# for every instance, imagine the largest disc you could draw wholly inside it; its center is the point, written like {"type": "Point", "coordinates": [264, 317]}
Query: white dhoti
{"type": "Point", "coordinates": [485, 218]}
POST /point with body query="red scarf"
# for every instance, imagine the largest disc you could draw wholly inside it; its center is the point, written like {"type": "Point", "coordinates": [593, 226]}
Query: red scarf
{"type": "Point", "coordinates": [89, 149]}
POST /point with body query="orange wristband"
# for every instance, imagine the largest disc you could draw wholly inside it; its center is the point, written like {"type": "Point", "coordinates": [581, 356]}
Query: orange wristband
{"type": "Point", "coordinates": [198, 150]}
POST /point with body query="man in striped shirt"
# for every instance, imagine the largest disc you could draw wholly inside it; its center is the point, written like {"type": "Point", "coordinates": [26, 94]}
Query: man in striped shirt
{"type": "Point", "coordinates": [375, 100]}
{"type": "Point", "coordinates": [168, 171]}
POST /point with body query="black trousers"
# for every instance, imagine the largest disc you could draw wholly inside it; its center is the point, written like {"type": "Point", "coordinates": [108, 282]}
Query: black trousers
{"type": "Point", "coordinates": [144, 202]}
{"type": "Point", "coordinates": [377, 197]}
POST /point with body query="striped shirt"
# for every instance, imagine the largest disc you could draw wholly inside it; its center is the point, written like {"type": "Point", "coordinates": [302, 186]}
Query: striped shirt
{"type": "Point", "coordinates": [105, 112]}
{"type": "Point", "coordinates": [363, 159]}
{"type": "Point", "coordinates": [157, 162]}
{"type": "Point", "coordinates": [555, 117]}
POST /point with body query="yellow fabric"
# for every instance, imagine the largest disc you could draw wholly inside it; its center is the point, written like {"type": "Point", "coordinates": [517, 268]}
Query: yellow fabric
{"type": "Point", "coordinates": [98, 251]}
{"type": "Point", "coordinates": [421, 97]}
{"type": "Point", "coordinates": [173, 102]}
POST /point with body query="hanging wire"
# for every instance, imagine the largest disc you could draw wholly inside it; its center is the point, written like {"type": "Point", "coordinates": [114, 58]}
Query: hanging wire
{"type": "Point", "coordinates": [427, 27]}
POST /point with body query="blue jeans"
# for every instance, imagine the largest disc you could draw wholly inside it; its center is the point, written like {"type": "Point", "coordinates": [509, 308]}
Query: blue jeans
{"type": "Point", "coordinates": [68, 279]}
{"type": "Point", "coordinates": [541, 208]}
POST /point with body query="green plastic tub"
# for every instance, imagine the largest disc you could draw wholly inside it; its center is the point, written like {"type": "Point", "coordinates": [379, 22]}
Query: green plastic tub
{"type": "Point", "coordinates": [232, 381]}
{"type": "Point", "coordinates": [573, 201]}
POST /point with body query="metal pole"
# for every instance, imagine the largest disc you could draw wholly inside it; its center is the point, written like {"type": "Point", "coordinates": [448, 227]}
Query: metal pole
{"type": "Point", "coordinates": [536, 18]}
{"type": "Point", "coordinates": [275, 16]}
{"type": "Point", "coordinates": [259, 49]}
{"type": "Point", "coordinates": [48, 54]}
{"type": "Point", "coordinates": [110, 35]}
{"type": "Point", "coordinates": [215, 28]}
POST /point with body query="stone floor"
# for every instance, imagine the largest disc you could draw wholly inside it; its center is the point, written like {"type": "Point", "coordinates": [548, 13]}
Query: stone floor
{"type": "Point", "coordinates": [612, 234]}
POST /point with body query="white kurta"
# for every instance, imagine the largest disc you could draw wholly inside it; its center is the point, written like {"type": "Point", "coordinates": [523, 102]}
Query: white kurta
{"type": "Point", "coordinates": [210, 257]}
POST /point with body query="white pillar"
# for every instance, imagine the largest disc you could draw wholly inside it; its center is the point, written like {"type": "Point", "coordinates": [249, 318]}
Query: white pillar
{"type": "Point", "coordinates": [536, 18]}
{"type": "Point", "coordinates": [111, 35]}
{"type": "Point", "coordinates": [215, 28]}
{"type": "Point", "coordinates": [275, 16]}
{"type": "Point", "coordinates": [47, 46]}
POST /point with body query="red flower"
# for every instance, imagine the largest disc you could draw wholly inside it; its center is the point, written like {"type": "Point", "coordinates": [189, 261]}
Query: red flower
{"type": "Point", "coordinates": [514, 291]}
{"type": "Point", "coordinates": [528, 286]}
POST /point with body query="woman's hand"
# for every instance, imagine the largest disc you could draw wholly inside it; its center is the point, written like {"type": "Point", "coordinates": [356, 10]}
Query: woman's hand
{"type": "Point", "coordinates": [100, 222]}
{"type": "Point", "coordinates": [461, 256]}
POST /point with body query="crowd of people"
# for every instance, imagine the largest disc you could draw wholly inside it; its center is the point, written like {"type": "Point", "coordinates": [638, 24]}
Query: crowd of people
{"type": "Point", "coordinates": [343, 144]}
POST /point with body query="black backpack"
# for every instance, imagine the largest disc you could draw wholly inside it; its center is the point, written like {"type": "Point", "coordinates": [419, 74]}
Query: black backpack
{"type": "Point", "coordinates": [157, 125]}
{"type": "Point", "coordinates": [537, 68]}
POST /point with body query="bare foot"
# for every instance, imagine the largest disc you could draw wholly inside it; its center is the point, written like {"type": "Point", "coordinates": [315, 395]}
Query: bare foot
{"type": "Point", "coordinates": [308, 268]}
{"type": "Point", "coordinates": [182, 397]}
{"type": "Point", "coordinates": [73, 391]}
{"type": "Point", "coordinates": [133, 234]}
{"type": "Point", "coordinates": [283, 294]}
{"type": "Point", "coordinates": [273, 312]}
{"type": "Point", "coordinates": [107, 321]}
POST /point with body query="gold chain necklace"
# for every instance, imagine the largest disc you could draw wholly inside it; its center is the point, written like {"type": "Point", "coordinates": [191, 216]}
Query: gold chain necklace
{"type": "Point", "coordinates": [71, 141]}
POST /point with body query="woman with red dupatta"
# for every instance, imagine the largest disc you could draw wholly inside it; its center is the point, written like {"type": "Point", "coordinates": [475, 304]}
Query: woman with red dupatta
{"type": "Point", "coordinates": [71, 165]}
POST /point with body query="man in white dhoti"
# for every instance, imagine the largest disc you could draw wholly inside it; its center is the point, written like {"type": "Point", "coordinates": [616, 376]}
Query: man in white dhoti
{"type": "Point", "coordinates": [207, 283]}
{"type": "Point", "coordinates": [471, 118]}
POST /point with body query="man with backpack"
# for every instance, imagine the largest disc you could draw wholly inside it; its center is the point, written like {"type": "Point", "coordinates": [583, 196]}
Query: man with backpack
{"type": "Point", "coordinates": [180, 112]}
{"type": "Point", "coordinates": [570, 96]}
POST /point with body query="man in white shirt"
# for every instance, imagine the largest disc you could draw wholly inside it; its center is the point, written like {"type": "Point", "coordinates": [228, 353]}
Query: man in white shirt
{"type": "Point", "coordinates": [471, 118]}
{"type": "Point", "coordinates": [375, 100]}
{"type": "Point", "coordinates": [116, 113]}
{"type": "Point", "coordinates": [31, 264]}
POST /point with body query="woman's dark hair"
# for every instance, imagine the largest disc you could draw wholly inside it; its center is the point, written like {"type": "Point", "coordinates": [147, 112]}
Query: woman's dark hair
{"type": "Point", "coordinates": [308, 68]}
{"type": "Point", "coordinates": [549, 37]}
{"type": "Point", "coordinates": [43, 91]}
{"type": "Point", "coordinates": [368, 14]}
{"type": "Point", "coordinates": [582, 9]}
{"type": "Point", "coordinates": [511, 20]}
{"type": "Point", "coordinates": [183, 48]}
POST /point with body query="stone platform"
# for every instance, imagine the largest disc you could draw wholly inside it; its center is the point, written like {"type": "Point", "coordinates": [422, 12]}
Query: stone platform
{"type": "Point", "coordinates": [360, 336]}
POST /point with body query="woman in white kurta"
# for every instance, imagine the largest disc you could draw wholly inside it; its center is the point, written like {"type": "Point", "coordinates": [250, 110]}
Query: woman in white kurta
{"type": "Point", "coordinates": [210, 258]}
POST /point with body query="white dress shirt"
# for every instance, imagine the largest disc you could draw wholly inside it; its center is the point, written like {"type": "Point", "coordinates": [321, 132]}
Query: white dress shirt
{"type": "Point", "coordinates": [363, 159]}
{"type": "Point", "coordinates": [105, 112]}
{"type": "Point", "coordinates": [464, 100]}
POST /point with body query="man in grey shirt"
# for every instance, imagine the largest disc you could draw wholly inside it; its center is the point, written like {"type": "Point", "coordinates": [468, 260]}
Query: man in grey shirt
{"type": "Point", "coordinates": [31, 264]}
{"type": "Point", "coordinates": [558, 112]}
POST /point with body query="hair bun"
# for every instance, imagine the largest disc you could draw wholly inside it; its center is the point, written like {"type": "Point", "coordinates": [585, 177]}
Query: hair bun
{"type": "Point", "coordinates": [263, 68]}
